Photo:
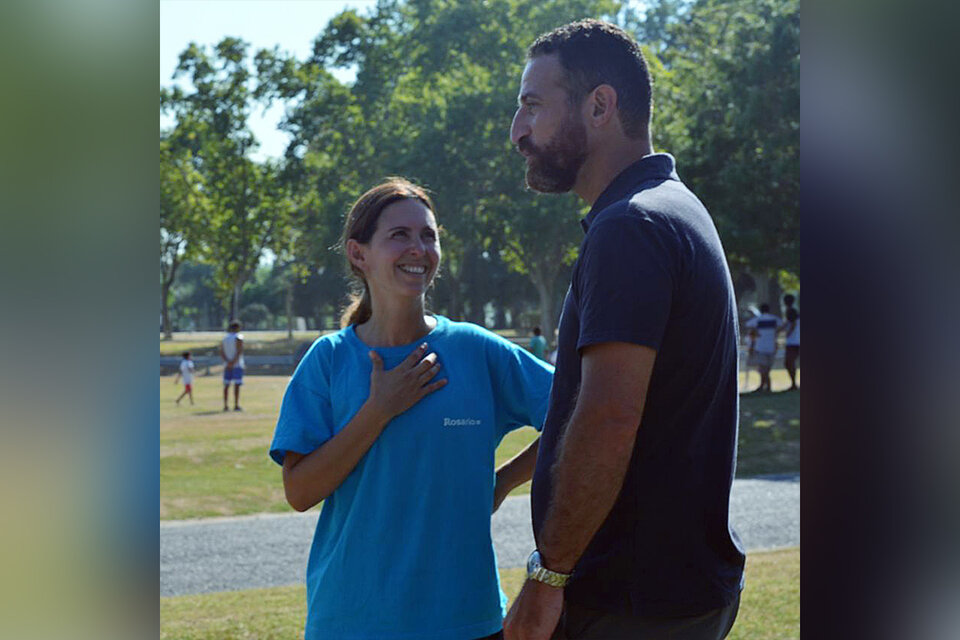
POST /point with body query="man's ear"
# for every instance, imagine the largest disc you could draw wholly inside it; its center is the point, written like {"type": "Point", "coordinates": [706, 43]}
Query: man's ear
{"type": "Point", "coordinates": [603, 105]}
{"type": "Point", "coordinates": [355, 254]}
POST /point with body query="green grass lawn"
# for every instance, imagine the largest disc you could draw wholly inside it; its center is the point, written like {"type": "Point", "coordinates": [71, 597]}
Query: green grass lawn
{"type": "Point", "coordinates": [215, 464]}
{"type": "Point", "coordinates": [769, 608]}
{"type": "Point", "coordinates": [207, 343]}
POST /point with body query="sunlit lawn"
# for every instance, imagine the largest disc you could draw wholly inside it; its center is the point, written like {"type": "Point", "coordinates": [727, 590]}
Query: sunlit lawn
{"type": "Point", "coordinates": [214, 463]}
{"type": "Point", "coordinates": [207, 343]}
{"type": "Point", "coordinates": [769, 607]}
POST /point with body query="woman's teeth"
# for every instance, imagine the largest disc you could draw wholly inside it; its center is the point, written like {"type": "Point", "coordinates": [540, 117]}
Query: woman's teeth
{"type": "Point", "coordinates": [417, 270]}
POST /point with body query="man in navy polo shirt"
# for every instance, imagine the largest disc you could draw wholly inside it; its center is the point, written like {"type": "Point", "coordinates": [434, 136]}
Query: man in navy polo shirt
{"type": "Point", "coordinates": [632, 485]}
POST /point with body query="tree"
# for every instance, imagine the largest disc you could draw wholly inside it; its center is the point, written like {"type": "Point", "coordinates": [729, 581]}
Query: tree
{"type": "Point", "coordinates": [248, 204]}
{"type": "Point", "coordinates": [435, 90]}
{"type": "Point", "coordinates": [184, 207]}
{"type": "Point", "coordinates": [736, 122]}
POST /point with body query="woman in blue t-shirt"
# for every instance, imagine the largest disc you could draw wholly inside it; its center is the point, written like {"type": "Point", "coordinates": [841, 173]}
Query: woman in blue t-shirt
{"type": "Point", "coordinates": [393, 422]}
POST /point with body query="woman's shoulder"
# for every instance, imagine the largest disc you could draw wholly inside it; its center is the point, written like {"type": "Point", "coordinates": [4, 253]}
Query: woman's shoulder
{"type": "Point", "coordinates": [325, 346]}
{"type": "Point", "coordinates": [468, 334]}
{"type": "Point", "coordinates": [467, 331]}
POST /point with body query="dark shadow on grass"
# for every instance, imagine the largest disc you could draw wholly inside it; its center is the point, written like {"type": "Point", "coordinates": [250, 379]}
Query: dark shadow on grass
{"type": "Point", "coordinates": [776, 477]}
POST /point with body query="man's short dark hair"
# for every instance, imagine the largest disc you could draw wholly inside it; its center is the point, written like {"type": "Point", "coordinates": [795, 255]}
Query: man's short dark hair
{"type": "Point", "coordinates": [788, 299]}
{"type": "Point", "coordinates": [234, 325]}
{"type": "Point", "coordinates": [186, 354]}
{"type": "Point", "coordinates": [593, 52]}
{"type": "Point", "coordinates": [764, 308]}
{"type": "Point", "coordinates": [536, 331]}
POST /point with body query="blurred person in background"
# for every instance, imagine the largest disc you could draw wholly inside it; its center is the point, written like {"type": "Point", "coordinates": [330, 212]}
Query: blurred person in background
{"type": "Point", "coordinates": [791, 328]}
{"type": "Point", "coordinates": [185, 371]}
{"type": "Point", "coordinates": [538, 344]}
{"type": "Point", "coordinates": [763, 343]}
{"type": "Point", "coordinates": [231, 352]}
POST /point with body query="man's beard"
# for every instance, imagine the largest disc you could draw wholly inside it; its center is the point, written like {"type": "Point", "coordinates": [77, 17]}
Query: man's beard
{"type": "Point", "coordinates": [554, 168]}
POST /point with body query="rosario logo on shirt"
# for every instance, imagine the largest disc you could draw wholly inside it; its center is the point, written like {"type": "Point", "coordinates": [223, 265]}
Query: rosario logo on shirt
{"type": "Point", "coordinates": [460, 422]}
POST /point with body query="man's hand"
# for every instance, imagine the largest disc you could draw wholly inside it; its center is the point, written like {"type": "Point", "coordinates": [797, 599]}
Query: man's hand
{"type": "Point", "coordinates": [535, 613]}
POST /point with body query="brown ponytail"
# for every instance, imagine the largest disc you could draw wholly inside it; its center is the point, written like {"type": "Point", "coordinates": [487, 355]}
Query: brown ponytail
{"type": "Point", "coordinates": [358, 309]}
{"type": "Point", "coordinates": [360, 225]}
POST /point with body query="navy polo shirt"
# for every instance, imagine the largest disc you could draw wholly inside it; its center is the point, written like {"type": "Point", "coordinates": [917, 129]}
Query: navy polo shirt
{"type": "Point", "coordinates": [652, 271]}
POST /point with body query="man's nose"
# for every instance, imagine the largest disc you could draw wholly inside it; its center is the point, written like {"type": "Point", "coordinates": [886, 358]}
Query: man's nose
{"type": "Point", "coordinates": [518, 128]}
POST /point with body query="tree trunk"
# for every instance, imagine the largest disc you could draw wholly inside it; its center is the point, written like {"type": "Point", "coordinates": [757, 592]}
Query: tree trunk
{"type": "Point", "coordinates": [165, 309]}
{"type": "Point", "coordinates": [235, 302]}
{"type": "Point", "coordinates": [546, 309]}
{"type": "Point", "coordinates": [165, 285]}
{"type": "Point", "coordinates": [290, 308]}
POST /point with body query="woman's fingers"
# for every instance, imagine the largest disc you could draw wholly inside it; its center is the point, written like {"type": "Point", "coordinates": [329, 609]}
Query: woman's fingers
{"type": "Point", "coordinates": [424, 365]}
{"type": "Point", "coordinates": [430, 372]}
{"type": "Point", "coordinates": [377, 361]}
{"type": "Point", "coordinates": [433, 386]}
{"type": "Point", "coordinates": [415, 356]}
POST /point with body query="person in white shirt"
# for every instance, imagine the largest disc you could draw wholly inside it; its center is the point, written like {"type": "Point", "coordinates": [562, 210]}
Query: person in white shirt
{"type": "Point", "coordinates": [185, 372]}
{"type": "Point", "coordinates": [231, 351]}
{"type": "Point", "coordinates": [792, 330]}
{"type": "Point", "coordinates": [763, 333]}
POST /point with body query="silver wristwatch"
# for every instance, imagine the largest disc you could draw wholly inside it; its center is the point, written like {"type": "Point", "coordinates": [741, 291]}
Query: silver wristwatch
{"type": "Point", "coordinates": [536, 571]}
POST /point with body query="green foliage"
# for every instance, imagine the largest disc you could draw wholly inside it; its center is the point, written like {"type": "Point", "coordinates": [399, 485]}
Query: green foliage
{"type": "Point", "coordinates": [789, 281]}
{"type": "Point", "coordinates": [435, 88]}
{"type": "Point", "coordinates": [730, 86]}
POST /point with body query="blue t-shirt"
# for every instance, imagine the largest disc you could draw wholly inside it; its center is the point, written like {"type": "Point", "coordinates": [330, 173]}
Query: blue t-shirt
{"type": "Point", "coordinates": [538, 346]}
{"type": "Point", "coordinates": [403, 547]}
{"type": "Point", "coordinates": [652, 272]}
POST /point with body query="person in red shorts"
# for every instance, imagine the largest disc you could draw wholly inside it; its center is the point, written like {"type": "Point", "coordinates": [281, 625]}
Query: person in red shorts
{"type": "Point", "coordinates": [185, 372]}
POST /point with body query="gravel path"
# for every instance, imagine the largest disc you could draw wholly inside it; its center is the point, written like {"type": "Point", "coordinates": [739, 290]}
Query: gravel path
{"type": "Point", "coordinates": [225, 554]}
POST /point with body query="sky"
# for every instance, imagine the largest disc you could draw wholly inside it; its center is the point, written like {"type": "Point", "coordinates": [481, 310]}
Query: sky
{"type": "Point", "coordinates": [291, 24]}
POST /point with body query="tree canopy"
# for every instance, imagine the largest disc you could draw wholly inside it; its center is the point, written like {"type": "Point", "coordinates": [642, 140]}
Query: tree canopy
{"type": "Point", "coordinates": [435, 89]}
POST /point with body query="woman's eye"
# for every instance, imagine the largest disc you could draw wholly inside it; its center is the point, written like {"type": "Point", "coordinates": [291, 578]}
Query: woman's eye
{"type": "Point", "coordinates": [399, 234]}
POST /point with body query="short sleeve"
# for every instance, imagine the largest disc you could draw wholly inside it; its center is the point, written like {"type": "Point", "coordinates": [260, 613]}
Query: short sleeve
{"type": "Point", "coordinates": [751, 323]}
{"type": "Point", "coordinates": [306, 417]}
{"type": "Point", "coordinates": [624, 282]}
{"type": "Point", "coordinates": [521, 384]}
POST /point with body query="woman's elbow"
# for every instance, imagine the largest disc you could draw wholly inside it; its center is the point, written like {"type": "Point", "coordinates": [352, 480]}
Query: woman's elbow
{"type": "Point", "coordinates": [299, 501]}
{"type": "Point", "coordinates": [297, 495]}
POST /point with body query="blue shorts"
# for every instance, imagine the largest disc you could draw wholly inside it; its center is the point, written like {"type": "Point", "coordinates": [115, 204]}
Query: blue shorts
{"type": "Point", "coordinates": [234, 375]}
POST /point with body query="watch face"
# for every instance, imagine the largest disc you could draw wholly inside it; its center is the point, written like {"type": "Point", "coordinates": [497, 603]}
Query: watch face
{"type": "Point", "coordinates": [533, 562]}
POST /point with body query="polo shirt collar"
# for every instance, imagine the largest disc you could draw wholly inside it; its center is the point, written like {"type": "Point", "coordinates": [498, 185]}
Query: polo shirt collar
{"type": "Point", "coordinates": [652, 167]}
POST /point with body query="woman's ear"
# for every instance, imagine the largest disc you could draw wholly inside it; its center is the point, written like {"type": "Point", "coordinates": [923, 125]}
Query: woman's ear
{"type": "Point", "coordinates": [355, 254]}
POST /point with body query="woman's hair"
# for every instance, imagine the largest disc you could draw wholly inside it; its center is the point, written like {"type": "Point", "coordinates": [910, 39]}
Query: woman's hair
{"type": "Point", "coordinates": [360, 225]}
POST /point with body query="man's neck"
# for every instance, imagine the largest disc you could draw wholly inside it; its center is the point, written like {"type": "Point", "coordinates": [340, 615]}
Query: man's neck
{"type": "Point", "coordinates": [605, 164]}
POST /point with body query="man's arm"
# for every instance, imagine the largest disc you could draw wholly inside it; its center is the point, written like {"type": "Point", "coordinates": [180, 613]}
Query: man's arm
{"type": "Point", "coordinates": [596, 449]}
{"type": "Point", "coordinates": [587, 476]}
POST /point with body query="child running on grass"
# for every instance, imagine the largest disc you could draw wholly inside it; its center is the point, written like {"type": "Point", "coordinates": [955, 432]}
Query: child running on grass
{"type": "Point", "coordinates": [185, 372]}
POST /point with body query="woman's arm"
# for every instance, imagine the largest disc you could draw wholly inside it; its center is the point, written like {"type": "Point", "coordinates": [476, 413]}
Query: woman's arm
{"type": "Point", "coordinates": [308, 479]}
{"type": "Point", "coordinates": [515, 472]}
